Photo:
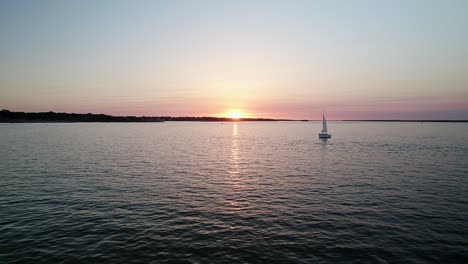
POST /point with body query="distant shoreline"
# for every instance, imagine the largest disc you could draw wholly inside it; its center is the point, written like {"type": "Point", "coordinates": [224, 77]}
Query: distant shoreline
{"type": "Point", "coordinates": [414, 121]}
{"type": "Point", "coordinates": [7, 116]}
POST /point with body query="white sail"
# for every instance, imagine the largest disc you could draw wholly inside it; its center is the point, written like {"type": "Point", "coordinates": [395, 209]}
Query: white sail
{"type": "Point", "coordinates": [324, 124]}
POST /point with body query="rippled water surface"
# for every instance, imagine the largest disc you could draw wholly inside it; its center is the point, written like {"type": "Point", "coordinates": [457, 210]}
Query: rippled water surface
{"type": "Point", "coordinates": [256, 192]}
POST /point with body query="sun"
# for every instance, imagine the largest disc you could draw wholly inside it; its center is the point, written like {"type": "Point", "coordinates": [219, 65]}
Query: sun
{"type": "Point", "coordinates": [235, 115]}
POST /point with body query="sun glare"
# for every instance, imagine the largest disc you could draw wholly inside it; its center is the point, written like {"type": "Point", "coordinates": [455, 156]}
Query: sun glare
{"type": "Point", "coordinates": [235, 115]}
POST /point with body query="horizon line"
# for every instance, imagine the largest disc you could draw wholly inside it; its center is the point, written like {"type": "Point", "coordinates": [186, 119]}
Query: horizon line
{"type": "Point", "coordinates": [230, 119]}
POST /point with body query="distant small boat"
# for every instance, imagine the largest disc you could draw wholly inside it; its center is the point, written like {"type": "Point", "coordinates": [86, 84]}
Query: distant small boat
{"type": "Point", "coordinates": [324, 133]}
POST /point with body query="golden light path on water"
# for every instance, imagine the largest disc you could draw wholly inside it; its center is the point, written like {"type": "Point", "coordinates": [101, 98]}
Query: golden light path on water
{"type": "Point", "coordinates": [237, 181]}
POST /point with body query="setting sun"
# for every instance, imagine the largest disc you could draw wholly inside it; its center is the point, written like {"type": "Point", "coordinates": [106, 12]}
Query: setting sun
{"type": "Point", "coordinates": [235, 115]}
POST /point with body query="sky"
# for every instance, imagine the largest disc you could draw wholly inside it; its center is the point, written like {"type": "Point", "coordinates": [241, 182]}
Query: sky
{"type": "Point", "coordinates": [280, 59]}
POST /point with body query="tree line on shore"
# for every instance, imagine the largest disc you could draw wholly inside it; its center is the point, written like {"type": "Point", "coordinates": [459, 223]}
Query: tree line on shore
{"type": "Point", "coordinates": [7, 116]}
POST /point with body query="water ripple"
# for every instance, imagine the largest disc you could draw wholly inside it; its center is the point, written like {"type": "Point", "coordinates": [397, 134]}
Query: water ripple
{"type": "Point", "coordinates": [240, 193]}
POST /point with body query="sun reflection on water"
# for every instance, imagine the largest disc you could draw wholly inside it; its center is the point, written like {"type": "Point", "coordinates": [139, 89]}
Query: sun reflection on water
{"type": "Point", "coordinates": [237, 183]}
{"type": "Point", "coordinates": [234, 158]}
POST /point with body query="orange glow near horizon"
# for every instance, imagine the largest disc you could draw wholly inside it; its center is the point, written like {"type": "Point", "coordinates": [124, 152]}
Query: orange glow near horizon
{"type": "Point", "coordinates": [235, 114]}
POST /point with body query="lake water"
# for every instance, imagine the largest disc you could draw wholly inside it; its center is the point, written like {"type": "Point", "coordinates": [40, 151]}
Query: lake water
{"type": "Point", "coordinates": [260, 192]}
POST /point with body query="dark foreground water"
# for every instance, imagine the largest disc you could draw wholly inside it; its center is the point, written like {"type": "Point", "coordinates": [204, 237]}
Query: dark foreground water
{"type": "Point", "coordinates": [234, 193]}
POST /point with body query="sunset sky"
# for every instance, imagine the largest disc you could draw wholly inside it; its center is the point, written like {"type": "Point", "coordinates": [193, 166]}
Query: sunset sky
{"type": "Point", "coordinates": [280, 59]}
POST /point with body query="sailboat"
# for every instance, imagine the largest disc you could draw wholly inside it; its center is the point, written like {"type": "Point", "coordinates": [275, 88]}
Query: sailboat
{"type": "Point", "coordinates": [324, 133]}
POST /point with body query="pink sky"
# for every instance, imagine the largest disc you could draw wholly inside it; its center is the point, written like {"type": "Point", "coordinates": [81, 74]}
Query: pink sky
{"type": "Point", "coordinates": [365, 60]}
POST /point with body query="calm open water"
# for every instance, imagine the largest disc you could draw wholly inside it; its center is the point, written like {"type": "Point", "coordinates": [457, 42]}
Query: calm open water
{"type": "Point", "coordinates": [261, 192]}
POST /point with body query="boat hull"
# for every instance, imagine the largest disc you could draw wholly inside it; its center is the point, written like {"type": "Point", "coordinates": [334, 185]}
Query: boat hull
{"type": "Point", "coordinates": [324, 135]}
